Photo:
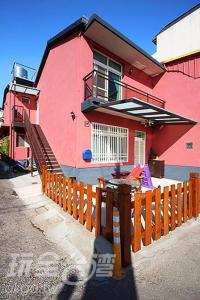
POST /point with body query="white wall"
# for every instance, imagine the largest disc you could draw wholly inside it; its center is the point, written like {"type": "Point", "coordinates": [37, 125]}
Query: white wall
{"type": "Point", "coordinates": [181, 38]}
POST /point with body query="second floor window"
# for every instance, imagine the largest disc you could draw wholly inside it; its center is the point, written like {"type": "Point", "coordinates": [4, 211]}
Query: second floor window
{"type": "Point", "coordinates": [26, 100]}
{"type": "Point", "coordinates": [107, 77]}
{"type": "Point", "coordinates": [21, 140]}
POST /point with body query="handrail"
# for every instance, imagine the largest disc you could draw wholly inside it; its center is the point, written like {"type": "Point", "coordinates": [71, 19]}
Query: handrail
{"type": "Point", "coordinates": [126, 89]}
{"type": "Point", "coordinates": [18, 113]}
{"type": "Point", "coordinates": [34, 143]}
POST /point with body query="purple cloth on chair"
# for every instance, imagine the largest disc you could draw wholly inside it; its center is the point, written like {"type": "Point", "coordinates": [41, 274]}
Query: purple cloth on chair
{"type": "Point", "coordinates": [146, 180]}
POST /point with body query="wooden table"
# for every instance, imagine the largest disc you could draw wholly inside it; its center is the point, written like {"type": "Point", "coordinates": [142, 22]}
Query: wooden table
{"type": "Point", "coordinates": [135, 184]}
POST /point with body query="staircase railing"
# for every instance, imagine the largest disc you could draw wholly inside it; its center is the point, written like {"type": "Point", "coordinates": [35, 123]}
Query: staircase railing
{"type": "Point", "coordinates": [34, 144]}
{"type": "Point", "coordinates": [18, 114]}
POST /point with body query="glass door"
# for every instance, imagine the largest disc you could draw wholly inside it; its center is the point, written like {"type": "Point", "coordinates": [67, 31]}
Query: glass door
{"type": "Point", "coordinates": [107, 77]}
{"type": "Point", "coordinates": [139, 147]}
{"type": "Point", "coordinates": [100, 84]}
{"type": "Point", "coordinates": [114, 88]}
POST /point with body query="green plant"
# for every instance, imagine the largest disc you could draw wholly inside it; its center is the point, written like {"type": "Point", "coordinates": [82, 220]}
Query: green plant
{"type": "Point", "coordinates": [4, 149]}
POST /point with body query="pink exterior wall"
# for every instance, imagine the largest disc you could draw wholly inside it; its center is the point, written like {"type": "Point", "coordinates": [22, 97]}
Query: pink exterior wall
{"type": "Point", "coordinates": [85, 136]}
{"type": "Point", "coordinates": [8, 109]}
{"type": "Point", "coordinates": [12, 100]}
{"type": "Point", "coordinates": [180, 88]}
{"type": "Point", "coordinates": [84, 140]}
{"type": "Point", "coordinates": [21, 153]}
{"type": "Point", "coordinates": [62, 91]}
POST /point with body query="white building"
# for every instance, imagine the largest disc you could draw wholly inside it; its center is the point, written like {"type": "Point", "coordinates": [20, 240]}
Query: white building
{"type": "Point", "coordinates": [179, 38]}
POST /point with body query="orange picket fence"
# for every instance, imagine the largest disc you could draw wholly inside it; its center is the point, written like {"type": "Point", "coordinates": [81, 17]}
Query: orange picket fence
{"type": "Point", "coordinates": [144, 217]}
{"type": "Point", "coordinates": [78, 199]}
{"type": "Point", "coordinates": [155, 214]}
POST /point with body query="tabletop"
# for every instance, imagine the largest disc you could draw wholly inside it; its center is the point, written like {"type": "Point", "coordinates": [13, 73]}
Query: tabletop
{"type": "Point", "coordinates": [116, 182]}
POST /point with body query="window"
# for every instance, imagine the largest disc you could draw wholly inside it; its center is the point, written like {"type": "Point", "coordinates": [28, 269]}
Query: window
{"type": "Point", "coordinates": [115, 66]}
{"type": "Point", "coordinates": [109, 143]}
{"type": "Point", "coordinates": [21, 140]}
{"type": "Point", "coordinates": [26, 100]}
{"type": "Point", "coordinates": [107, 85]}
{"type": "Point", "coordinates": [189, 145]}
{"type": "Point", "coordinates": [100, 58]}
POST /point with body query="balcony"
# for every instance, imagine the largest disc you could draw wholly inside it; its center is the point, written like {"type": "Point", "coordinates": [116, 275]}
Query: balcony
{"type": "Point", "coordinates": [106, 94]}
{"type": "Point", "coordinates": [104, 87]}
{"type": "Point", "coordinates": [18, 116]}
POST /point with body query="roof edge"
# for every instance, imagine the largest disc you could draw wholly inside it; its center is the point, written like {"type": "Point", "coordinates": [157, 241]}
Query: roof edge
{"type": "Point", "coordinates": [185, 14]}
{"type": "Point", "coordinates": [81, 25]}
{"type": "Point", "coordinates": [95, 17]}
{"type": "Point", "coordinates": [71, 29]}
{"type": "Point", "coordinates": [4, 96]}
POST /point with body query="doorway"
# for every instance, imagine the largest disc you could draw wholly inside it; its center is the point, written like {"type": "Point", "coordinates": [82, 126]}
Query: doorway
{"type": "Point", "coordinates": [107, 79]}
{"type": "Point", "coordinates": [139, 147]}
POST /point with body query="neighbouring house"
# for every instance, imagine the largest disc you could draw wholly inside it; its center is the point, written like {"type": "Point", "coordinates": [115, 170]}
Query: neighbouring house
{"type": "Point", "coordinates": [1, 124]}
{"type": "Point", "coordinates": [104, 104]}
{"type": "Point", "coordinates": [19, 96]}
{"type": "Point", "coordinates": [178, 48]}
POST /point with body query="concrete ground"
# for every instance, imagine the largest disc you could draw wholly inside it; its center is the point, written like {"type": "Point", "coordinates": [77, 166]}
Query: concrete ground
{"type": "Point", "coordinates": [33, 226]}
{"type": "Point", "coordinates": [162, 182]}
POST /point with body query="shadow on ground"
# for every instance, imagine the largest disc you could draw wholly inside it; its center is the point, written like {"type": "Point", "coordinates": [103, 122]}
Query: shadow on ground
{"type": "Point", "coordinates": [101, 288]}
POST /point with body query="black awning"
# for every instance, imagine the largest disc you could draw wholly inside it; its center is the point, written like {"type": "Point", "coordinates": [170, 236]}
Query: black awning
{"type": "Point", "coordinates": [140, 111]}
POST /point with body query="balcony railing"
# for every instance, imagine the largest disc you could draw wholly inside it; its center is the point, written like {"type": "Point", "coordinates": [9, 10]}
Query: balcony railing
{"type": "Point", "coordinates": [99, 85]}
{"type": "Point", "coordinates": [18, 114]}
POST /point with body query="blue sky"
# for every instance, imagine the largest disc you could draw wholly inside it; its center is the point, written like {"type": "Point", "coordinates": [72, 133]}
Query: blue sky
{"type": "Point", "coordinates": [25, 26]}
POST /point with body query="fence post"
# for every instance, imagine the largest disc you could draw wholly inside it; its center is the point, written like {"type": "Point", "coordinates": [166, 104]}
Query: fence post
{"type": "Point", "coordinates": [137, 234]}
{"type": "Point", "coordinates": [64, 193]}
{"type": "Point", "coordinates": [198, 197]}
{"type": "Point", "coordinates": [124, 202]}
{"type": "Point", "coordinates": [108, 231]}
{"type": "Point", "coordinates": [43, 178]}
{"type": "Point", "coordinates": [118, 272]}
{"type": "Point", "coordinates": [98, 212]}
{"type": "Point", "coordinates": [194, 177]}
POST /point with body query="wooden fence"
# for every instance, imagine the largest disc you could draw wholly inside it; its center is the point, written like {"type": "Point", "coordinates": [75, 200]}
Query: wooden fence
{"type": "Point", "coordinates": [78, 199]}
{"type": "Point", "coordinates": [144, 217]}
{"type": "Point", "coordinates": [155, 214]}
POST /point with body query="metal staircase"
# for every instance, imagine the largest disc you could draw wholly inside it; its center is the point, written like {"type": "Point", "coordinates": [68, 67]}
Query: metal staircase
{"type": "Point", "coordinates": [42, 152]}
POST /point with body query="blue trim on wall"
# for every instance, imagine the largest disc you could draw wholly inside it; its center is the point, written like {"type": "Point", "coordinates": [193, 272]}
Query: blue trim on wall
{"type": "Point", "coordinates": [180, 173]}
{"type": "Point", "coordinates": [90, 175]}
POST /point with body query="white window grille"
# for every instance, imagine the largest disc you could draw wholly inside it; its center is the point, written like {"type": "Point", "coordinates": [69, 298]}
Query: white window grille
{"type": "Point", "coordinates": [109, 143]}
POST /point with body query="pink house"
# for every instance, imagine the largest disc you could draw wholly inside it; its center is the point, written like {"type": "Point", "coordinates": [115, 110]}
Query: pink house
{"type": "Point", "coordinates": [104, 104]}
{"type": "Point", "coordinates": [19, 96]}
